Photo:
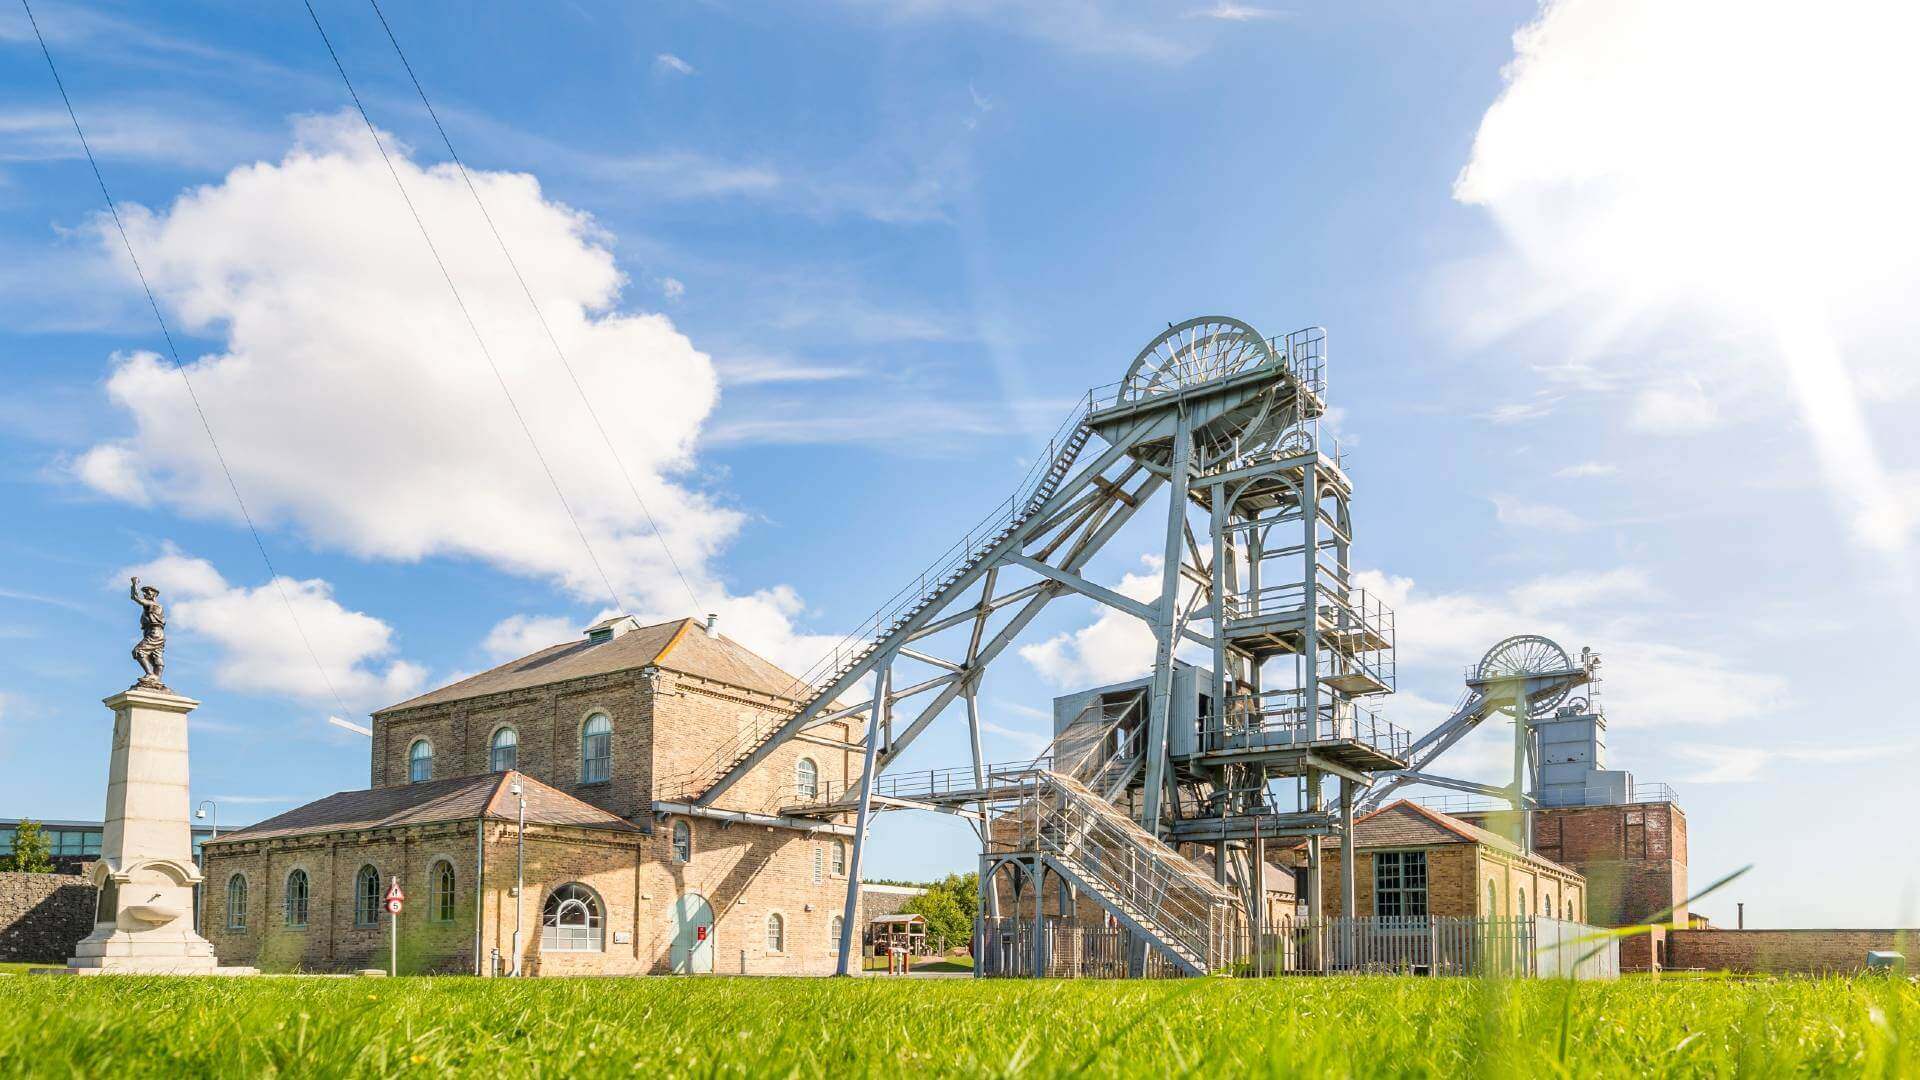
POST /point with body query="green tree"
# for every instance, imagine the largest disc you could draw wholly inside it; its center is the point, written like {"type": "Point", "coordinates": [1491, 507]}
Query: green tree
{"type": "Point", "coordinates": [31, 853]}
{"type": "Point", "coordinates": [948, 906]}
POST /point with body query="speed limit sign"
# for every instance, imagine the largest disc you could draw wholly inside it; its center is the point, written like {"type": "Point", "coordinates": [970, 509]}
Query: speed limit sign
{"type": "Point", "coordinates": [395, 898]}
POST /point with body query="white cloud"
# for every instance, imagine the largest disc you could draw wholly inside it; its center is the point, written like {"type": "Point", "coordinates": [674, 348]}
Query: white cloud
{"type": "Point", "coordinates": [1114, 647]}
{"type": "Point", "coordinates": [1703, 189]}
{"type": "Point", "coordinates": [1227, 11]}
{"type": "Point", "coordinates": [1519, 411]}
{"type": "Point", "coordinates": [1680, 407]}
{"type": "Point", "coordinates": [1724, 764]}
{"type": "Point", "coordinates": [520, 635]}
{"type": "Point", "coordinates": [1093, 27]}
{"type": "Point", "coordinates": [1652, 673]}
{"type": "Point", "coordinates": [1586, 470]}
{"type": "Point", "coordinates": [669, 64]}
{"type": "Point", "coordinates": [1527, 515]}
{"type": "Point", "coordinates": [260, 649]}
{"type": "Point", "coordinates": [353, 405]}
{"type": "Point", "coordinates": [672, 288]}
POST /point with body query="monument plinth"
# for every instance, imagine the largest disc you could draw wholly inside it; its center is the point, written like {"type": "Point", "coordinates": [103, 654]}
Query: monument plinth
{"type": "Point", "coordinates": [146, 873]}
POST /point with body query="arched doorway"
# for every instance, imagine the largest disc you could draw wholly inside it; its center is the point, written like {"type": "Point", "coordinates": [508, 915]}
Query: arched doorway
{"type": "Point", "coordinates": [692, 936]}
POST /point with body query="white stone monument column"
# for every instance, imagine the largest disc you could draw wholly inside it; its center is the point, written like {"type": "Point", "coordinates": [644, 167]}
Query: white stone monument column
{"type": "Point", "coordinates": [146, 873]}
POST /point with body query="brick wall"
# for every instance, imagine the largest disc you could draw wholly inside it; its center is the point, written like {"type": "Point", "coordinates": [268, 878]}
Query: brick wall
{"type": "Point", "coordinates": [43, 916]}
{"type": "Point", "coordinates": [744, 873]}
{"type": "Point", "coordinates": [665, 725]}
{"type": "Point", "coordinates": [1784, 951]}
{"type": "Point", "coordinates": [1633, 856]}
{"type": "Point", "coordinates": [331, 940]}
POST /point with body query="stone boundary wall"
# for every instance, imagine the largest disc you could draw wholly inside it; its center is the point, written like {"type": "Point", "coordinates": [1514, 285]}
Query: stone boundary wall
{"type": "Point", "coordinates": [1805, 952]}
{"type": "Point", "coordinates": [43, 916]}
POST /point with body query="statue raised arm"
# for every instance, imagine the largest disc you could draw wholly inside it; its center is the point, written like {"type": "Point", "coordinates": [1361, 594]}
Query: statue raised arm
{"type": "Point", "coordinates": [150, 653]}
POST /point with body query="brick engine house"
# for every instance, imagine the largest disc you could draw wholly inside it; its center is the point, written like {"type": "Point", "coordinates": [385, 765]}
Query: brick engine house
{"type": "Point", "coordinates": [599, 739]}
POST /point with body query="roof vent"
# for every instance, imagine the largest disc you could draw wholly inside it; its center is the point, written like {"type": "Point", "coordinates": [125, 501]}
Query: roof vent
{"type": "Point", "coordinates": [611, 627]}
{"type": "Point", "coordinates": [713, 625]}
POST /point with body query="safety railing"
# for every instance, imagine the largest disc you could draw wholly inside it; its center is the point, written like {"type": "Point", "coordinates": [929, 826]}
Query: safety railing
{"type": "Point", "coordinates": [1279, 719]}
{"type": "Point", "coordinates": [1509, 946]}
{"type": "Point", "coordinates": [1302, 354]}
{"type": "Point", "coordinates": [1036, 487]}
{"type": "Point", "coordinates": [1172, 899]}
{"type": "Point", "coordinates": [1636, 792]}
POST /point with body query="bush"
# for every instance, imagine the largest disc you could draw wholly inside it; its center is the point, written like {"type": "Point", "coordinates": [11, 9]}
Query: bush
{"type": "Point", "coordinates": [31, 853]}
{"type": "Point", "coordinates": [948, 906]}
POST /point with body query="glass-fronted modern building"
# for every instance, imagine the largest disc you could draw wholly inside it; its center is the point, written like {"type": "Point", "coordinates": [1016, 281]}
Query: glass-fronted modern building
{"type": "Point", "coordinates": [74, 844]}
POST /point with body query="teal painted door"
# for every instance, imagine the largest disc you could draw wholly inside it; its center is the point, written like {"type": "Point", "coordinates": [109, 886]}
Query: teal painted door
{"type": "Point", "coordinates": [692, 936]}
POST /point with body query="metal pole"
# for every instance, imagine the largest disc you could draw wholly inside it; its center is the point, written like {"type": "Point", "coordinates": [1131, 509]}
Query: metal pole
{"type": "Point", "coordinates": [1348, 871]}
{"type": "Point", "coordinates": [519, 877]}
{"type": "Point", "coordinates": [882, 687]}
{"type": "Point", "coordinates": [200, 862]}
{"type": "Point", "coordinates": [393, 959]}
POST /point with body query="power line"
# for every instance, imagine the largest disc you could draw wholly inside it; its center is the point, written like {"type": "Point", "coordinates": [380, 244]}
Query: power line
{"type": "Point", "coordinates": [535, 305]}
{"type": "Point", "coordinates": [464, 311]}
{"type": "Point", "coordinates": [174, 352]}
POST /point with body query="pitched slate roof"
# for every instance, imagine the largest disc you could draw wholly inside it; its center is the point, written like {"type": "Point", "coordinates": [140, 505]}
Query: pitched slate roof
{"type": "Point", "coordinates": [1404, 823]}
{"type": "Point", "coordinates": [681, 645]}
{"type": "Point", "coordinates": [460, 798]}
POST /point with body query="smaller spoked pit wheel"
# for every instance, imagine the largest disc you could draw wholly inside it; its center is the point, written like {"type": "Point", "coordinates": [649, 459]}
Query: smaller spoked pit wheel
{"type": "Point", "coordinates": [1529, 654]}
{"type": "Point", "coordinates": [1196, 351]}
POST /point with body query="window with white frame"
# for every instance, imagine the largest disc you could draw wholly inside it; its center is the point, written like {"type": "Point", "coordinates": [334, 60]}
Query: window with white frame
{"type": "Point", "coordinates": [503, 753]}
{"type": "Point", "coordinates": [834, 926]}
{"type": "Point", "coordinates": [1400, 884]}
{"type": "Point", "coordinates": [237, 902]}
{"type": "Point", "coordinates": [596, 749]}
{"type": "Point", "coordinates": [571, 921]}
{"type": "Point", "coordinates": [419, 761]}
{"type": "Point", "coordinates": [819, 864]}
{"type": "Point", "coordinates": [776, 933]}
{"type": "Point", "coordinates": [806, 778]}
{"type": "Point", "coordinates": [840, 858]}
{"type": "Point", "coordinates": [367, 897]}
{"type": "Point", "coordinates": [294, 904]}
{"type": "Point", "coordinates": [682, 842]}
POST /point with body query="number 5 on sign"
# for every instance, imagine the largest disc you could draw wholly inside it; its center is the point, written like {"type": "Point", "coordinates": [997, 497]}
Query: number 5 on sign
{"type": "Point", "coordinates": [395, 901]}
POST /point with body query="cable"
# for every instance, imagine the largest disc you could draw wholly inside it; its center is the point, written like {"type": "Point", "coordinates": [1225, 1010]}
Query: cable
{"type": "Point", "coordinates": [218, 454]}
{"type": "Point", "coordinates": [465, 313]}
{"type": "Point", "coordinates": [535, 305]}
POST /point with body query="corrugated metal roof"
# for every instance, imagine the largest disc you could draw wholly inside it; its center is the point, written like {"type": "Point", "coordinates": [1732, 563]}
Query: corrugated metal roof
{"type": "Point", "coordinates": [680, 645]}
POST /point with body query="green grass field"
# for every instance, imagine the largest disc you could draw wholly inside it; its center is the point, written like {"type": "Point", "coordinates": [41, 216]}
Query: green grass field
{"type": "Point", "coordinates": [878, 1027]}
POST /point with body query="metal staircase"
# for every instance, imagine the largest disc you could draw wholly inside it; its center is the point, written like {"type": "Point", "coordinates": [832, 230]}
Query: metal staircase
{"type": "Point", "coordinates": [929, 587]}
{"type": "Point", "coordinates": [1163, 898]}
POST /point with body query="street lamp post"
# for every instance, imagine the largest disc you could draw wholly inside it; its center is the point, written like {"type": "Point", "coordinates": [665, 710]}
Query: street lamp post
{"type": "Point", "coordinates": [200, 860]}
{"type": "Point", "coordinates": [519, 874]}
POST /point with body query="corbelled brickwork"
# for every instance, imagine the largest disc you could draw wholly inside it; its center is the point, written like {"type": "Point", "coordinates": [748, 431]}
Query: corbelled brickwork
{"type": "Point", "coordinates": [42, 916]}
{"type": "Point", "coordinates": [1806, 952]}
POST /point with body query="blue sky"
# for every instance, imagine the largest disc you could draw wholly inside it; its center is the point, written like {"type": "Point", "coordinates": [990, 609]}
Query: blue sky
{"type": "Point", "coordinates": [1615, 306]}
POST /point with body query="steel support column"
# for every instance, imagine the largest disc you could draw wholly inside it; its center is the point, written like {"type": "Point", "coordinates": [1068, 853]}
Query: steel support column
{"type": "Point", "coordinates": [875, 720]}
{"type": "Point", "coordinates": [1166, 631]}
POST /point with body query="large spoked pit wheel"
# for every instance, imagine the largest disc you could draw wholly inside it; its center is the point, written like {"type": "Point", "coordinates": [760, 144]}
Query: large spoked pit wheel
{"type": "Point", "coordinates": [1196, 351]}
{"type": "Point", "coordinates": [1529, 654]}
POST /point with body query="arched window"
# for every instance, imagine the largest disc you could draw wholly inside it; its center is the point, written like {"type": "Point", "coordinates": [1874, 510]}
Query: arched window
{"type": "Point", "coordinates": [1546, 905]}
{"type": "Point", "coordinates": [419, 761]}
{"type": "Point", "coordinates": [570, 921]}
{"type": "Point", "coordinates": [367, 897]}
{"type": "Point", "coordinates": [503, 753]}
{"type": "Point", "coordinates": [1493, 901]}
{"type": "Point", "coordinates": [1520, 905]}
{"type": "Point", "coordinates": [776, 933]}
{"type": "Point", "coordinates": [682, 842]}
{"type": "Point", "coordinates": [834, 926]}
{"type": "Point", "coordinates": [840, 858]}
{"type": "Point", "coordinates": [596, 749]}
{"type": "Point", "coordinates": [806, 778]}
{"type": "Point", "coordinates": [440, 898]}
{"type": "Point", "coordinates": [295, 906]}
{"type": "Point", "coordinates": [237, 902]}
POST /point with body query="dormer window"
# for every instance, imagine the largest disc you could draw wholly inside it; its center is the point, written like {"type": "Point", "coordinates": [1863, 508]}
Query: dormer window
{"type": "Point", "coordinates": [609, 628]}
